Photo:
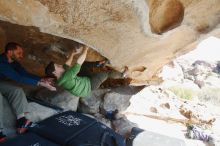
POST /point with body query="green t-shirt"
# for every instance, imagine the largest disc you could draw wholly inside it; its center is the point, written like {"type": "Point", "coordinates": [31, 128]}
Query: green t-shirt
{"type": "Point", "coordinates": [78, 86]}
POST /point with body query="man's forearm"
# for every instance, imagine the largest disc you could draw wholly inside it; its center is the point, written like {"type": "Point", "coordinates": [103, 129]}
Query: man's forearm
{"type": "Point", "coordinates": [10, 73]}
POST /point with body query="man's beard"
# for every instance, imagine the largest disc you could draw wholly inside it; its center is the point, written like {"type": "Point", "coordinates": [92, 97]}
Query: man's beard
{"type": "Point", "coordinates": [14, 58]}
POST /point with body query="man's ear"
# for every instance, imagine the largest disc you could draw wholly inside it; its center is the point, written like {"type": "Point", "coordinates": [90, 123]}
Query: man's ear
{"type": "Point", "coordinates": [54, 72]}
{"type": "Point", "coordinates": [10, 52]}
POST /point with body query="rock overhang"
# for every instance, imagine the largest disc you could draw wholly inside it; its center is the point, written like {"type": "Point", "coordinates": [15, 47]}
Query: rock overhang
{"type": "Point", "coordinates": [129, 33]}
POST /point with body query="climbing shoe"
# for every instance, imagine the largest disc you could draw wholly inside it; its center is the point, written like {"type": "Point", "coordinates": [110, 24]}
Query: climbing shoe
{"type": "Point", "coordinates": [22, 125]}
{"type": "Point", "coordinates": [2, 137]}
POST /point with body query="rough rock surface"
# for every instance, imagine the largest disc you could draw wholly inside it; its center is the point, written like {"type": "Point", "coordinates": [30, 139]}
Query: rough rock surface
{"type": "Point", "coordinates": [171, 116]}
{"type": "Point", "coordinates": [115, 101]}
{"type": "Point", "coordinates": [103, 100]}
{"type": "Point", "coordinates": [162, 16]}
{"type": "Point", "coordinates": [92, 104]}
{"type": "Point", "coordinates": [60, 98]}
{"type": "Point", "coordinates": [123, 126]}
{"type": "Point", "coordinates": [121, 30]}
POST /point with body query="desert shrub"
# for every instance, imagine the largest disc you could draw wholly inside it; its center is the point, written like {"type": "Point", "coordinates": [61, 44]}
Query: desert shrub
{"type": "Point", "coordinates": [184, 93]}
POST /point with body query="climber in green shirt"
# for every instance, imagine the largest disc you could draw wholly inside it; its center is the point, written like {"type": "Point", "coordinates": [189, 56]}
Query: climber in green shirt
{"type": "Point", "coordinates": [66, 74]}
{"type": "Point", "coordinates": [67, 77]}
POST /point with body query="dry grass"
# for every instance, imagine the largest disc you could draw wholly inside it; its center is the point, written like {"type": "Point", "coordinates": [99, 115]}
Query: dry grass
{"type": "Point", "coordinates": [183, 93]}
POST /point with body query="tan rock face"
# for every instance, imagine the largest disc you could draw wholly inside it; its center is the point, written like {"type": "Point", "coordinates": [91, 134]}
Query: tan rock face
{"type": "Point", "coordinates": [202, 15]}
{"type": "Point", "coordinates": [119, 30]}
{"type": "Point", "coordinates": [165, 14]}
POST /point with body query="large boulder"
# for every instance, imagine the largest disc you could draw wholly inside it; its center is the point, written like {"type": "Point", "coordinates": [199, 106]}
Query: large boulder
{"type": "Point", "coordinates": [60, 98]}
{"type": "Point", "coordinates": [114, 101]}
{"type": "Point", "coordinates": [91, 105]}
{"type": "Point", "coordinates": [119, 30]}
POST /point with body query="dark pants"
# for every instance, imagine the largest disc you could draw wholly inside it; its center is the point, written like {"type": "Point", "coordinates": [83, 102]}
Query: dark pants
{"type": "Point", "coordinates": [99, 77]}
